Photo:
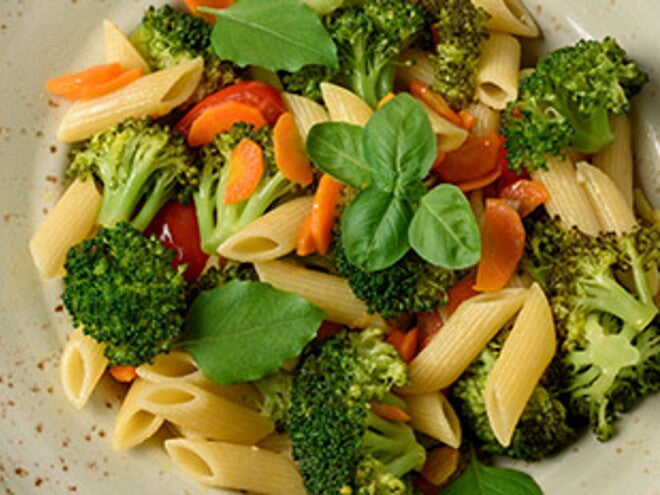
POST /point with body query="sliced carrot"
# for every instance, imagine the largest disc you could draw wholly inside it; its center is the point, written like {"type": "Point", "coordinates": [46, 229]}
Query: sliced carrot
{"type": "Point", "coordinates": [123, 373]}
{"type": "Point", "coordinates": [395, 337]}
{"type": "Point", "coordinates": [467, 119]}
{"type": "Point", "coordinates": [389, 412]}
{"type": "Point", "coordinates": [459, 292]}
{"type": "Point", "coordinates": [213, 4]}
{"type": "Point", "coordinates": [246, 168]}
{"type": "Point", "coordinates": [325, 212]}
{"type": "Point", "coordinates": [289, 148]}
{"type": "Point", "coordinates": [475, 158]}
{"type": "Point", "coordinates": [385, 99]}
{"type": "Point", "coordinates": [502, 243]}
{"type": "Point", "coordinates": [109, 86]}
{"type": "Point", "coordinates": [73, 82]}
{"type": "Point", "coordinates": [436, 101]}
{"type": "Point", "coordinates": [305, 242]}
{"type": "Point", "coordinates": [409, 344]}
{"type": "Point", "coordinates": [480, 182]}
{"type": "Point", "coordinates": [221, 118]}
{"type": "Point", "coordinates": [525, 195]}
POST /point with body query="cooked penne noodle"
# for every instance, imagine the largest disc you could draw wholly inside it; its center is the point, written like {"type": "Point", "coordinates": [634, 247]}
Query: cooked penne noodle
{"type": "Point", "coordinates": [81, 367]}
{"type": "Point", "coordinates": [486, 119]}
{"type": "Point", "coordinates": [644, 208]}
{"type": "Point", "coordinates": [617, 159]}
{"type": "Point", "coordinates": [441, 463]}
{"type": "Point", "coordinates": [70, 221]}
{"type": "Point", "coordinates": [449, 136]}
{"type": "Point", "coordinates": [270, 236]}
{"type": "Point", "coordinates": [154, 94]}
{"type": "Point", "coordinates": [306, 112]}
{"type": "Point", "coordinates": [414, 65]}
{"type": "Point", "coordinates": [345, 106]}
{"type": "Point", "coordinates": [526, 353]}
{"type": "Point", "coordinates": [610, 206]}
{"type": "Point", "coordinates": [134, 425]}
{"type": "Point", "coordinates": [277, 442]}
{"type": "Point", "coordinates": [330, 293]}
{"type": "Point", "coordinates": [236, 467]}
{"type": "Point", "coordinates": [568, 200]}
{"type": "Point", "coordinates": [509, 16]}
{"type": "Point", "coordinates": [211, 416]}
{"type": "Point", "coordinates": [433, 415]}
{"type": "Point", "coordinates": [119, 49]}
{"type": "Point", "coordinates": [463, 337]}
{"type": "Point", "coordinates": [179, 365]}
{"type": "Point", "coordinates": [497, 74]}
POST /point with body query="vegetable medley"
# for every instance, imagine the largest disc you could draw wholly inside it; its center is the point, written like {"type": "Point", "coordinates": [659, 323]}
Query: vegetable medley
{"type": "Point", "coordinates": [415, 230]}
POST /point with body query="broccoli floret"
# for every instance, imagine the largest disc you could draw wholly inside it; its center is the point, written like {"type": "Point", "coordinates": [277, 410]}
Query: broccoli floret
{"type": "Point", "coordinates": [339, 444]}
{"type": "Point", "coordinates": [564, 104]}
{"type": "Point", "coordinates": [166, 37]}
{"type": "Point", "coordinates": [544, 427]}
{"type": "Point", "coordinates": [140, 165]}
{"type": "Point", "coordinates": [218, 220]}
{"type": "Point", "coordinates": [307, 81]}
{"type": "Point", "coordinates": [460, 27]}
{"type": "Point", "coordinates": [410, 286]}
{"type": "Point", "coordinates": [369, 38]}
{"type": "Point", "coordinates": [216, 276]}
{"type": "Point", "coordinates": [609, 331]}
{"type": "Point", "coordinates": [275, 390]}
{"type": "Point", "coordinates": [121, 288]}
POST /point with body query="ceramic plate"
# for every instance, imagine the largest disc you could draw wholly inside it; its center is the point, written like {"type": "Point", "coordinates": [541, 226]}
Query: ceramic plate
{"type": "Point", "coordinates": [48, 447]}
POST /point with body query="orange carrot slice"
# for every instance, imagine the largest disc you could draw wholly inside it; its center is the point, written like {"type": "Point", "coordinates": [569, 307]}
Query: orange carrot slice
{"type": "Point", "coordinates": [123, 373]}
{"type": "Point", "coordinates": [389, 412]}
{"type": "Point", "coordinates": [73, 82]}
{"type": "Point", "coordinates": [480, 182]}
{"type": "Point", "coordinates": [214, 4]}
{"type": "Point", "coordinates": [113, 84]}
{"type": "Point", "coordinates": [246, 168]}
{"type": "Point", "coordinates": [502, 243]}
{"type": "Point", "coordinates": [385, 99]}
{"type": "Point", "coordinates": [289, 148]}
{"type": "Point", "coordinates": [220, 118]}
{"type": "Point", "coordinates": [436, 101]}
{"type": "Point", "coordinates": [467, 119]}
{"type": "Point", "coordinates": [324, 212]}
{"type": "Point", "coordinates": [525, 195]}
{"type": "Point", "coordinates": [305, 241]}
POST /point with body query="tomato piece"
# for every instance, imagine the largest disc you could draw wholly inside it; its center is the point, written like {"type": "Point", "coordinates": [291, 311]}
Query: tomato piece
{"type": "Point", "coordinates": [525, 195]}
{"type": "Point", "coordinates": [476, 157]}
{"type": "Point", "coordinates": [260, 95]}
{"type": "Point", "coordinates": [176, 227]}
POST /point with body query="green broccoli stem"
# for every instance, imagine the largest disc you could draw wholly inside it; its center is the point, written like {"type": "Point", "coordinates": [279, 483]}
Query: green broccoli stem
{"type": "Point", "coordinates": [592, 132]}
{"type": "Point", "coordinates": [393, 444]}
{"type": "Point", "coordinates": [604, 293]}
{"type": "Point", "coordinates": [372, 83]}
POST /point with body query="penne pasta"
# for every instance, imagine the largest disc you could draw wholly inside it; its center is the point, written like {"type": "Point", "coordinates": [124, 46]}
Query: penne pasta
{"type": "Point", "coordinates": [433, 415]}
{"type": "Point", "coordinates": [497, 73]}
{"type": "Point", "coordinates": [236, 467]}
{"type": "Point", "coordinates": [306, 112]}
{"type": "Point", "coordinates": [195, 409]}
{"type": "Point", "coordinates": [154, 94]}
{"type": "Point", "coordinates": [81, 367]}
{"type": "Point", "coordinates": [463, 336]}
{"type": "Point", "coordinates": [270, 236]}
{"type": "Point", "coordinates": [414, 65]}
{"type": "Point", "coordinates": [345, 106]}
{"type": "Point", "coordinates": [608, 202]}
{"type": "Point", "coordinates": [441, 463]}
{"type": "Point", "coordinates": [526, 353]}
{"type": "Point", "coordinates": [134, 425]}
{"type": "Point", "coordinates": [119, 49]}
{"type": "Point", "coordinates": [568, 200]}
{"type": "Point", "coordinates": [617, 160]}
{"type": "Point", "coordinates": [509, 16]}
{"type": "Point", "coordinates": [69, 222]}
{"type": "Point", "coordinates": [329, 292]}
{"type": "Point", "coordinates": [486, 119]}
{"type": "Point", "coordinates": [449, 135]}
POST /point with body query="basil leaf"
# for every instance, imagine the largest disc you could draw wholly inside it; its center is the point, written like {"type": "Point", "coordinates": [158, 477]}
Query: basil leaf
{"type": "Point", "coordinates": [374, 229]}
{"type": "Point", "coordinates": [245, 330]}
{"type": "Point", "coordinates": [481, 479]}
{"type": "Point", "coordinates": [444, 231]}
{"type": "Point", "coordinates": [281, 35]}
{"type": "Point", "coordinates": [399, 144]}
{"type": "Point", "coordinates": [336, 149]}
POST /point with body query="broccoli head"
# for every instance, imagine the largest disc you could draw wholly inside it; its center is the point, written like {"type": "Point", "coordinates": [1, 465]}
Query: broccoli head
{"type": "Point", "coordinates": [460, 27]}
{"type": "Point", "coordinates": [307, 81]}
{"type": "Point", "coordinates": [564, 104]}
{"type": "Point", "coordinates": [140, 165]}
{"type": "Point", "coordinates": [610, 343]}
{"type": "Point", "coordinates": [339, 444]}
{"type": "Point", "coordinates": [166, 37]}
{"type": "Point", "coordinates": [122, 289]}
{"type": "Point", "coordinates": [410, 286]}
{"type": "Point", "coordinates": [275, 391]}
{"type": "Point", "coordinates": [219, 220]}
{"type": "Point", "coordinates": [544, 428]}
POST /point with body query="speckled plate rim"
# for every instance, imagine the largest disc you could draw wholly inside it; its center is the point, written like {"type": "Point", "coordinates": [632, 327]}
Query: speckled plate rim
{"type": "Point", "coordinates": [48, 447]}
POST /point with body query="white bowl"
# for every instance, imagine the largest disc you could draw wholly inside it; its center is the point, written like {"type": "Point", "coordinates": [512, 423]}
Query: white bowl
{"type": "Point", "coordinates": [48, 447]}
